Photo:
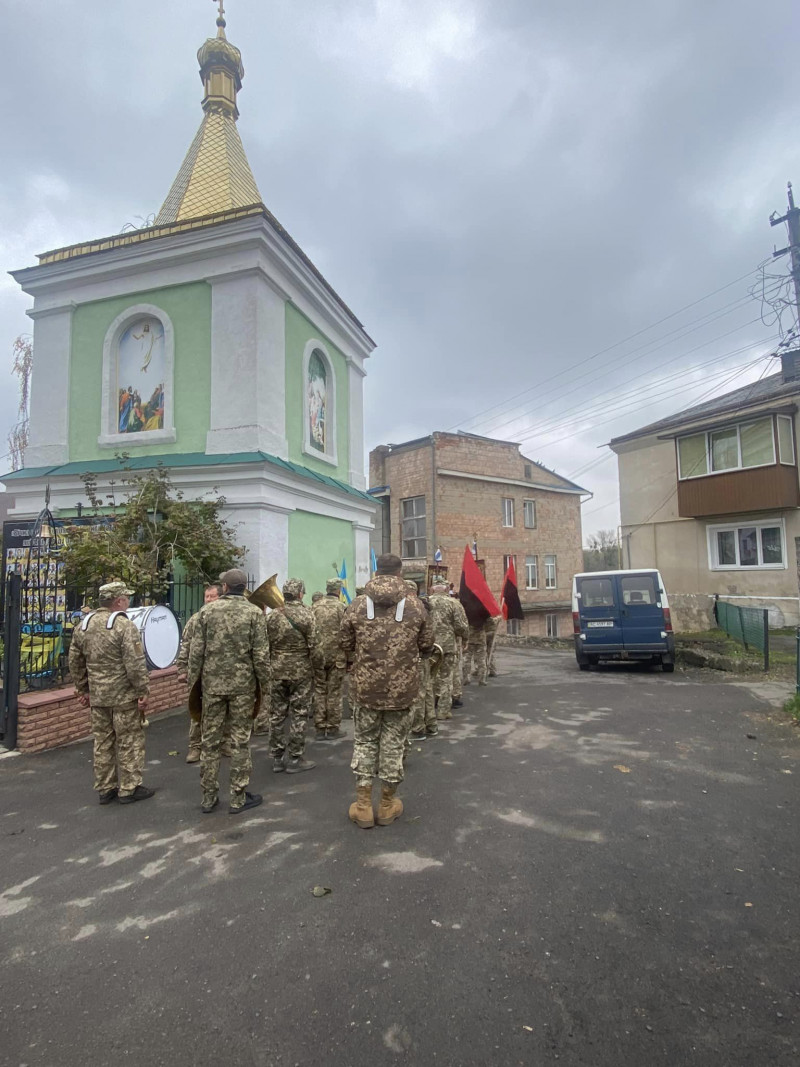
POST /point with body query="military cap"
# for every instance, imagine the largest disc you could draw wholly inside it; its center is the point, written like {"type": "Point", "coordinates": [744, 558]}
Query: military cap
{"type": "Point", "coordinates": [411, 587]}
{"type": "Point", "coordinates": [111, 590]}
{"type": "Point", "coordinates": [293, 589]}
{"type": "Point", "coordinates": [233, 578]}
{"type": "Point", "coordinates": [439, 585]}
{"type": "Point", "coordinates": [333, 585]}
{"type": "Point", "coordinates": [317, 596]}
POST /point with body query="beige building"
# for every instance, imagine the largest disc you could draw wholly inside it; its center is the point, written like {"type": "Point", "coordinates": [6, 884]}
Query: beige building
{"type": "Point", "coordinates": [443, 491]}
{"type": "Point", "coordinates": [710, 496]}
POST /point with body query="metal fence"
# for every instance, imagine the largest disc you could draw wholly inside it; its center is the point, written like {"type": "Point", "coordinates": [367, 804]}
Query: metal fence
{"type": "Point", "coordinates": [748, 626]}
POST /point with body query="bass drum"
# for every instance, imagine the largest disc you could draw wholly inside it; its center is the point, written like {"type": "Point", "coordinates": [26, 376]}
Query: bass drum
{"type": "Point", "coordinates": [160, 633]}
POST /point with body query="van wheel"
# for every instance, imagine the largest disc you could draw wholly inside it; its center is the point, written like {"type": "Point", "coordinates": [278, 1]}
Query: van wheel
{"type": "Point", "coordinates": [583, 661]}
{"type": "Point", "coordinates": [667, 667]}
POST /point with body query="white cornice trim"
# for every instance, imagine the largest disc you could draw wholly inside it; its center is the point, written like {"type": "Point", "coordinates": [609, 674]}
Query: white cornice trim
{"type": "Point", "coordinates": [511, 481]}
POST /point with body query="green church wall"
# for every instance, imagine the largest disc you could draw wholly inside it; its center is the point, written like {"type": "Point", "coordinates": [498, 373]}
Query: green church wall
{"type": "Point", "coordinates": [189, 308]}
{"type": "Point", "coordinates": [299, 331]}
{"type": "Point", "coordinates": [315, 543]}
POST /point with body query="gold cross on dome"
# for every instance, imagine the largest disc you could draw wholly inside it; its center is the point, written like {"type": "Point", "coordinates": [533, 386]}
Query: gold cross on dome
{"type": "Point", "coordinates": [221, 8]}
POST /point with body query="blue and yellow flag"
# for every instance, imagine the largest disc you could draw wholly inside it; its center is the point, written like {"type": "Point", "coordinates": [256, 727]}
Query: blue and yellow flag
{"type": "Point", "coordinates": [373, 561]}
{"type": "Point", "coordinates": [344, 593]}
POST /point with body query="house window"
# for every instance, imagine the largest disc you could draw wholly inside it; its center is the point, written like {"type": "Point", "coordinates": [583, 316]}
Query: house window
{"type": "Point", "coordinates": [748, 444]}
{"type": "Point", "coordinates": [550, 576]}
{"type": "Point", "coordinates": [529, 514]}
{"type": "Point", "coordinates": [507, 561]}
{"type": "Point", "coordinates": [513, 627]}
{"type": "Point", "coordinates": [531, 572]}
{"type": "Point", "coordinates": [551, 625]}
{"type": "Point", "coordinates": [508, 511]}
{"type": "Point", "coordinates": [412, 521]}
{"type": "Point", "coordinates": [527, 470]}
{"type": "Point", "coordinates": [754, 544]}
{"type": "Point", "coordinates": [785, 440]}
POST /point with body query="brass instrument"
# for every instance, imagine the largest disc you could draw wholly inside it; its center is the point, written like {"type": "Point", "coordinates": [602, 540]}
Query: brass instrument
{"type": "Point", "coordinates": [268, 595]}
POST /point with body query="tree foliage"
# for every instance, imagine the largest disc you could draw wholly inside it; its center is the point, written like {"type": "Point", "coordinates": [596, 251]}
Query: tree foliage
{"type": "Point", "coordinates": [22, 366]}
{"type": "Point", "coordinates": [602, 551]}
{"type": "Point", "coordinates": [143, 528]}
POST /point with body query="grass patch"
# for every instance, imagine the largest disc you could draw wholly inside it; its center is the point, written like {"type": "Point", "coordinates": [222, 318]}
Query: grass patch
{"type": "Point", "coordinates": [722, 643]}
{"type": "Point", "coordinates": [792, 707]}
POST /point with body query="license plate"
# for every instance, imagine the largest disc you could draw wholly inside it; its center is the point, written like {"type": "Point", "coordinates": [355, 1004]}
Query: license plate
{"type": "Point", "coordinates": [601, 622]}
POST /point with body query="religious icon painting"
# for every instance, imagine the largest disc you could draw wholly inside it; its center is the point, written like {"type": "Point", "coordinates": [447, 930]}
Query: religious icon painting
{"type": "Point", "coordinates": [141, 373]}
{"type": "Point", "coordinates": [317, 396]}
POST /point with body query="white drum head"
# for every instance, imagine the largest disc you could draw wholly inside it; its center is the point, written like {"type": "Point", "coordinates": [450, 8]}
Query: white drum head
{"type": "Point", "coordinates": [161, 634]}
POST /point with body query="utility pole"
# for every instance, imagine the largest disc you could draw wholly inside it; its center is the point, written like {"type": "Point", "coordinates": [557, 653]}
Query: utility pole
{"type": "Point", "coordinates": [792, 220]}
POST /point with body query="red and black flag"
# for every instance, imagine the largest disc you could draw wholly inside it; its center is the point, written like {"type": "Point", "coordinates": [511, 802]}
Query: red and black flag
{"type": "Point", "coordinates": [509, 598]}
{"type": "Point", "coordinates": [475, 595]}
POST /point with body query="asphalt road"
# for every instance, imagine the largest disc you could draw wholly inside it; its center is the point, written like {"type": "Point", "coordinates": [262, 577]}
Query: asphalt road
{"type": "Point", "coordinates": [593, 869]}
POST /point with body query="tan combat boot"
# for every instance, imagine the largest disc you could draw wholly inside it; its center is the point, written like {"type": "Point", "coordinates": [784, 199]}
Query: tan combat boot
{"type": "Point", "coordinates": [390, 806]}
{"type": "Point", "coordinates": [361, 811]}
{"type": "Point", "coordinates": [193, 755]}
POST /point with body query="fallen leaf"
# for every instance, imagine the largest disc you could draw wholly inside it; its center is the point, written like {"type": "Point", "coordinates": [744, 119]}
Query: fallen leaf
{"type": "Point", "coordinates": [173, 752]}
{"type": "Point", "coordinates": [785, 770]}
{"type": "Point", "coordinates": [622, 768]}
{"type": "Point", "coordinates": [528, 1028]}
{"type": "Point", "coordinates": [747, 904]}
{"type": "Point", "coordinates": [435, 922]}
{"type": "Point", "coordinates": [321, 890]}
{"type": "Point", "coordinates": [739, 869]}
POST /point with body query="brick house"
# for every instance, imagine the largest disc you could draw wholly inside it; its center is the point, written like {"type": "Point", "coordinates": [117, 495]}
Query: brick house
{"type": "Point", "coordinates": [445, 489]}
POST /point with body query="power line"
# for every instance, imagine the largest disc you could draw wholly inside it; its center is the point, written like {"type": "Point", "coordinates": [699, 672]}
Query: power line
{"type": "Point", "coordinates": [617, 344]}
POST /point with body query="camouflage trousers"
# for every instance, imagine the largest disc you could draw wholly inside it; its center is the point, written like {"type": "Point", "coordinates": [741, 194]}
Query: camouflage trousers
{"type": "Point", "coordinates": [196, 733]}
{"type": "Point", "coordinates": [221, 713]}
{"type": "Point", "coordinates": [476, 653]}
{"type": "Point", "coordinates": [458, 681]}
{"type": "Point", "coordinates": [423, 709]}
{"type": "Point", "coordinates": [118, 748]}
{"type": "Point", "coordinates": [443, 686]}
{"type": "Point", "coordinates": [328, 682]}
{"type": "Point", "coordinates": [289, 699]}
{"type": "Point", "coordinates": [380, 741]}
{"type": "Point", "coordinates": [491, 664]}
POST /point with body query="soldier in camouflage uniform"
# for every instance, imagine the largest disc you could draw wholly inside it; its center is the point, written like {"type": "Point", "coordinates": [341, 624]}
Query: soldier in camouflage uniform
{"type": "Point", "coordinates": [329, 674]}
{"type": "Point", "coordinates": [423, 721]}
{"type": "Point", "coordinates": [491, 627]}
{"type": "Point", "coordinates": [316, 597]}
{"type": "Point", "coordinates": [295, 655]}
{"type": "Point", "coordinates": [449, 627]}
{"type": "Point", "coordinates": [109, 670]}
{"type": "Point", "coordinates": [384, 631]}
{"type": "Point", "coordinates": [210, 594]}
{"type": "Point", "coordinates": [229, 659]}
{"type": "Point", "coordinates": [475, 657]}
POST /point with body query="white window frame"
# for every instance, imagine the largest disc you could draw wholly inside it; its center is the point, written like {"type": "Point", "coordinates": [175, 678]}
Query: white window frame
{"type": "Point", "coordinates": [110, 437]}
{"type": "Point", "coordinates": [331, 454]}
{"type": "Point", "coordinates": [506, 560]}
{"type": "Point", "coordinates": [790, 420]}
{"type": "Point", "coordinates": [529, 503]}
{"type": "Point", "coordinates": [737, 426]}
{"type": "Point", "coordinates": [508, 511]}
{"type": "Point", "coordinates": [415, 518]}
{"type": "Point", "coordinates": [548, 584]}
{"type": "Point", "coordinates": [734, 527]}
{"type": "Point", "coordinates": [551, 625]}
{"type": "Point", "coordinates": [535, 567]}
{"type": "Point", "coordinates": [513, 628]}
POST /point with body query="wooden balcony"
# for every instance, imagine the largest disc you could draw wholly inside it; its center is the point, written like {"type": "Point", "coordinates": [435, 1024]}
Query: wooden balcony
{"type": "Point", "coordinates": [740, 491]}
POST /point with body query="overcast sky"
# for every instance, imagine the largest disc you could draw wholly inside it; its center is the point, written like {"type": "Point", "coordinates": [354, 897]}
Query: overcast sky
{"type": "Point", "coordinates": [500, 189]}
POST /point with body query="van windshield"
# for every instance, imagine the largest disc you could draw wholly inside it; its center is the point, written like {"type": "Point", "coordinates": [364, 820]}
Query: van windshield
{"type": "Point", "coordinates": [638, 589]}
{"type": "Point", "coordinates": [597, 593]}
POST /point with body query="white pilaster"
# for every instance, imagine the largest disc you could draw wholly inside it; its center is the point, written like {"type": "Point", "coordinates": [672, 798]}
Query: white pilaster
{"type": "Point", "coordinates": [355, 376]}
{"type": "Point", "coordinates": [248, 366]}
{"type": "Point", "coordinates": [48, 442]}
{"type": "Point", "coordinates": [361, 544]}
{"type": "Point", "coordinates": [264, 530]}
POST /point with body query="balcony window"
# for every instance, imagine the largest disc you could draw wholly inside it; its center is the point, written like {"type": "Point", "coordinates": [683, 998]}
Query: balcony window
{"type": "Point", "coordinates": [529, 514]}
{"type": "Point", "coordinates": [748, 444]}
{"type": "Point", "coordinates": [757, 545]}
{"type": "Point", "coordinates": [412, 522]}
{"type": "Point", "coordinates": [508, 511]}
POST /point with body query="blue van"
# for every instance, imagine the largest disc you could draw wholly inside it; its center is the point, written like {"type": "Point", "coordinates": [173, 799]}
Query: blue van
{"type": "Point", "coordinates": [622, 615]}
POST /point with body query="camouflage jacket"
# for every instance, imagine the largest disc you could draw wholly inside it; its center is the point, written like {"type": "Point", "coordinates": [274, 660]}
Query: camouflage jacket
{"type": "Point", "coordinates": [293, 642]}
{"type": "Point", "coordinates": [182, 662]}
{"type": "Point", "coordinates": [328, 614]}
{"type": "Point", "coordinates": [109, 665]}
{"type": "Point", "coordinates": [386, 652]}
{"type": "Point", "coordinates": [229, 650]}
{"type": "Point", "coordinates": [449, 621]}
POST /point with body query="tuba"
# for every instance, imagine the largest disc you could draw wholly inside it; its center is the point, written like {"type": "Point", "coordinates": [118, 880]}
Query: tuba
{"type": "Point", "coordinates": [268, 595]}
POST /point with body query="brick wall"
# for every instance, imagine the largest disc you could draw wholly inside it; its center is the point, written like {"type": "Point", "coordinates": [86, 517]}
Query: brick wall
{"type": "Point", "coordinates": [54, 717]}
{"type": "Point", "coordinates": [465, 507]}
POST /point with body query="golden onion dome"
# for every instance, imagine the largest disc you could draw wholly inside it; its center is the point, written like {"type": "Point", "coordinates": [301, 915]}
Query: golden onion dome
{"type": "Point", "coordinates": [219, 52]}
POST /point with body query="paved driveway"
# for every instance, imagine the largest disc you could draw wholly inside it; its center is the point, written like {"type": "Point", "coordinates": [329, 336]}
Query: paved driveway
{"type": "Point", "coordinates": [593, 869]}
